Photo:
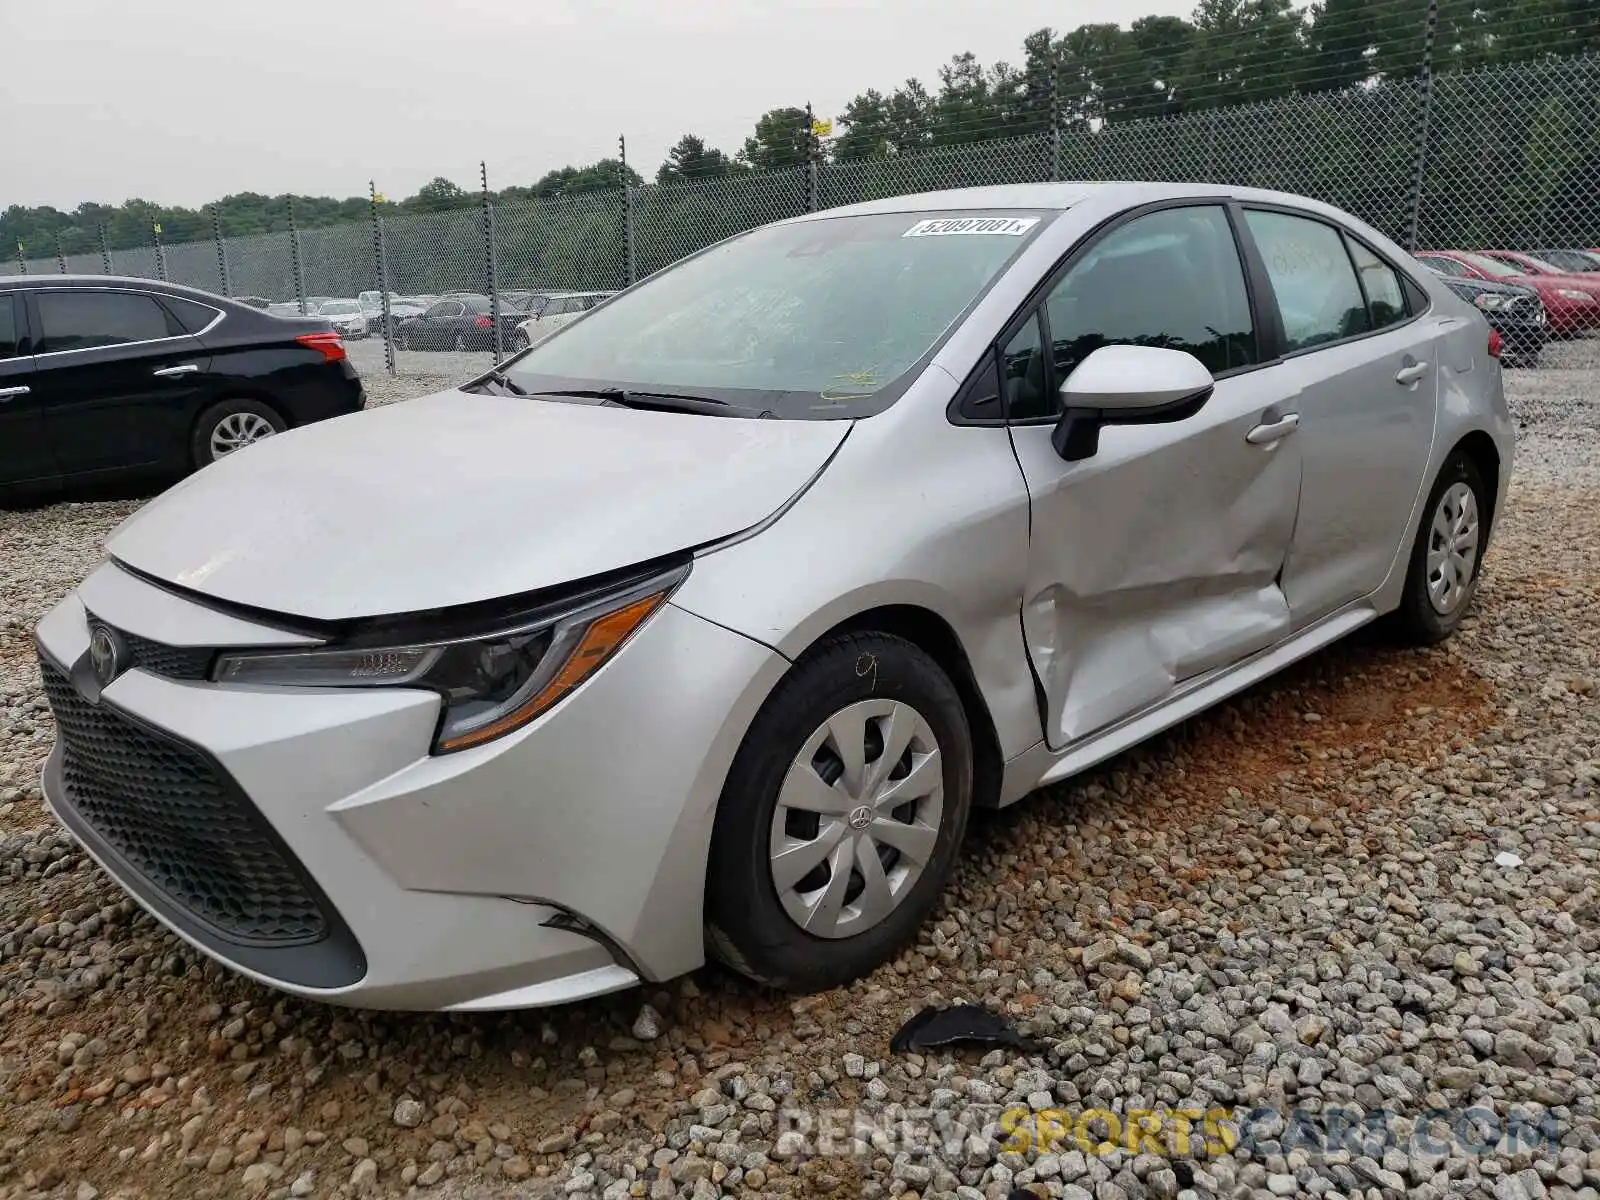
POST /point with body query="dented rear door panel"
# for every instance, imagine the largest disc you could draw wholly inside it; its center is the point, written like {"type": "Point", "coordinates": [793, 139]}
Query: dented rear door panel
{"type": "Point", "coordinates": [1158, 558]}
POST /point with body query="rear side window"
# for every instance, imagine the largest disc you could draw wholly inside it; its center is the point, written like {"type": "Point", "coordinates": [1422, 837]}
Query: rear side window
{"type": "Point", "coordinates": [86, 320]}
{"type": "Point", "coordinates": [1311, 274]}
{"type": "Point", "coordinates": [1445, 266]}
{"type": "Point", "coordinates": [1386, 300]}
{"type": "Point", "coordinates": [191, 316]}
{"type": "Point", "coordinates": [10, 342]}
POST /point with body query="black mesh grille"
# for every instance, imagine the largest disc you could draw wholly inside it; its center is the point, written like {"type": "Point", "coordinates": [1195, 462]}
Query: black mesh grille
{"type": "Point", "coordinates": [180, 823]}
{"type": "Point", "coordinates": [174, 662]}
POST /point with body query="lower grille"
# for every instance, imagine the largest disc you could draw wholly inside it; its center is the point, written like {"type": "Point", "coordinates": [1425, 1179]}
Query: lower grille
{"type": "Point", "coordinates": [179, 821]}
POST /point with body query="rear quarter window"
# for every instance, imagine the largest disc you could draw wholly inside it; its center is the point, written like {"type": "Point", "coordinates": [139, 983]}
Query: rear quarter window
{"type": "Point", "coordinates": [191, 315]}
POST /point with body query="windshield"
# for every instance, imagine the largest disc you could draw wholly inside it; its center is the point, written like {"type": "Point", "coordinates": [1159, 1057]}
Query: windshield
{"type": "Point", "coordinates": [818, 319]}
{"type": "Point", "coordinates": [1492, 266]}
{"type": "Point", "coordinates": [338, 307]}
{"type": "Point", "coordinates": [1571, 260]}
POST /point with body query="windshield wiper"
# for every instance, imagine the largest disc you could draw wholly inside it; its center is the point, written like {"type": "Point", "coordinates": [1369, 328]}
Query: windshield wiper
{"type": "Point", "coordinates": [659, 401]}
{"type": "Point", "coordinates": [503, 381]}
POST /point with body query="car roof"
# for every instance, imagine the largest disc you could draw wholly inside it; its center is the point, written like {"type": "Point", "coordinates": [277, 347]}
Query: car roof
{"type": "Point", "coordinates": [110, 281]}
{"type": "Point", "coordinates": [1065, 195]}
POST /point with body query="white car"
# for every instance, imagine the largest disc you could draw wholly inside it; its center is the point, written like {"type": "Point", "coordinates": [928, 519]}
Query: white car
{"type": "Point", "coordinates": [346, 316]}
{"type": "Point", "coordinates": [551, 312]}
{"type": "Point", "coordinates": [706, 623]}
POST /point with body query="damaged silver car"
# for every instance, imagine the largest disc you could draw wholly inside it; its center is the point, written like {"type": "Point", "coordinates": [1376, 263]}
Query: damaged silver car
{"type": "Point", "coordinates": [704, 623]}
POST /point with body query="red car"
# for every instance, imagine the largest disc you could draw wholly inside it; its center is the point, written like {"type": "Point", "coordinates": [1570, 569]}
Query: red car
{"type": "Point", "coordinates": [1571, 301]}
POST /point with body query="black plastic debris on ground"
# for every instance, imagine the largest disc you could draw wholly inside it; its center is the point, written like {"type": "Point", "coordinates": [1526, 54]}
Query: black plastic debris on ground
{"type": "Point", "coordinates": [962, 1024]}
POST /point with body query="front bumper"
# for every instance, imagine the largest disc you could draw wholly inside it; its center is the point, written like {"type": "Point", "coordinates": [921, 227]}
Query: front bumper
{"type": "Point", "coordinates": [563, 861]}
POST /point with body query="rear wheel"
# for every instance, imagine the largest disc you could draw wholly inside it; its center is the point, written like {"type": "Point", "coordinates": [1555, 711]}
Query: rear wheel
{"type": "Point", "coordinates": [842, 815]}
{"type": "Point", "coordinates": [1447, 555]}
{"type": "Point", "coordinates": [402, 340]}
{"type": "Point", "coordinates": [461, 342]}
{"type": "Point", "coordinates": [231, 425]}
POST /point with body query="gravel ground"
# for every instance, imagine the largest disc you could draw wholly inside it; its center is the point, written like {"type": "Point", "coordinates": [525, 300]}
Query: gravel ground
{"type": "Point", "coordinates": [1370, 885]}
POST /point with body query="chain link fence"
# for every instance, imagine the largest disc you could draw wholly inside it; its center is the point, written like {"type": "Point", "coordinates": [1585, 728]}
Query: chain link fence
{"type": "Point", "coordinates": [1504, 158]}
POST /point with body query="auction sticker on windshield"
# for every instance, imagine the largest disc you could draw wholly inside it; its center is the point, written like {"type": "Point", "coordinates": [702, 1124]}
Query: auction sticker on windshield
{"type": "Point", "coordinates": [946, 226]}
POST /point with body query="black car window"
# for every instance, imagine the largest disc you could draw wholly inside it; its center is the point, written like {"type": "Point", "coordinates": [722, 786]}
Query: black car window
{"type": "Point", "coordinates": [1386, 300]}
{"type": "Point", "coordinates": [1311, 274]}
{"type": "Point", "coordinates": [191, 316]}
{"type": "Point", "coordinates": [83, 320]}
{"type": "Point", "coordinates": [1171, 279]}
{"type": "Point", "coordinates": [10, 342]}
{"type": "Point", "coordinates": [1025, 376]}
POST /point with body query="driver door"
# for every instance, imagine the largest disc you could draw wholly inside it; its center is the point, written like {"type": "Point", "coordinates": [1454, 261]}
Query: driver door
{"type": "Point", "coordinates": [1158, 558]}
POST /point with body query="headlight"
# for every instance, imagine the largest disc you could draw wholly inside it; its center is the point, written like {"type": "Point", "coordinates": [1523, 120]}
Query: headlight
{"type": "Point", "coordinates": [1573, 294]}
{"type": "Point", "coordinates": [491, 684]}
{"type": "Point", "coordinates": [1489, 300]}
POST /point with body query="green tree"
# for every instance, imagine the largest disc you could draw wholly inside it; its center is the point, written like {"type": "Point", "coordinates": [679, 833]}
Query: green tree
{"type": "Point", "coordinates": [782, 138]}
{"type": "Point", "coordinates": [690, 159]}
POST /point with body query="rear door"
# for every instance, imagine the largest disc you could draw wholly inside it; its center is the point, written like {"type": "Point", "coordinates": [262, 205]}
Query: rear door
{"type": "Point", "coordinates": [1363, 351]}
{"type": "Point", "coordinates": [114, 371]}
{"type": "Point", "coordinates": [24, 456]}
{"type": "Point", "coordinates": [1155, 560]}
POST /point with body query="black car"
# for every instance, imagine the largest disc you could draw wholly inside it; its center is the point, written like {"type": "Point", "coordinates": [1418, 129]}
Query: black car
{"type": "Point", "coordinates": [1516, 313]}
{"type": "Point", "coordinates": [463, 321]}
{"type": "Point", "coordinates": [102, 377]}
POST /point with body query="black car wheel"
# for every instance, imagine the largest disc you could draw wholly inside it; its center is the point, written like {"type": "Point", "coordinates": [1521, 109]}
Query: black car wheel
{"type": "Point", "coordinates": [231, 425]}
{"type": "Point", "coordinates": [1446, 556]}
{"type": "Point", "coordinates": [461, 342]}
{"type": "Point", "coordinates": [402, 341]}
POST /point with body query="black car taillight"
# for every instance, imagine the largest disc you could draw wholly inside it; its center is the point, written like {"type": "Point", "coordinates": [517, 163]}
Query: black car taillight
{"type": "Point", "coordinates": [329, 345]}
{"type": "Point", "coordinates": [483, 322]}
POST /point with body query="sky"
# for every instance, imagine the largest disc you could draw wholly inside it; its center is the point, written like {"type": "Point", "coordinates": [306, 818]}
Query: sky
{"type": "Point", "coordinates": [184, 101]}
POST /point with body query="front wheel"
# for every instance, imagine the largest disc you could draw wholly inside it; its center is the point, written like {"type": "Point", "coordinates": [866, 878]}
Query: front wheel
{"type": "Point", "coordinates": [841, 817]}
{"type": "Point", "coordinates": [1447, 555]}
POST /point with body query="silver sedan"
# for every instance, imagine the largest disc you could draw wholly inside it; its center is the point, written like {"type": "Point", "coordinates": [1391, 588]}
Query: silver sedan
{"type": "Point", "coordinates": [704, 623]}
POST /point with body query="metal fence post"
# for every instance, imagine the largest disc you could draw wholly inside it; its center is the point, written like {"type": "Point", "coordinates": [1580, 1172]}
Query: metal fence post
{"type": "Point", "coordinates": [22, 262]}
{"type": "Point", "coordinates": [630, 262]}
{"type": "Point", "coordinates": [222, 253]}
{"type": "Point", "coordinates": [294, 261]}
{"type": "Point", "coordinates": [1055, 125]}
{"type": "Point", "coordinates": [61, 259]}
{"type": "Point", "coordinates": [490, 266]}
{"type": "Point", "coordinates": [812, 153]}
{"type": "Point", "coordinates": [1424, 124]}
{"type": "Point", "coordinates": [380, 259]}
{"type": "Point", "coordinates": [105, 251]}
{"type": "Point", "coordinates": [161, 252]}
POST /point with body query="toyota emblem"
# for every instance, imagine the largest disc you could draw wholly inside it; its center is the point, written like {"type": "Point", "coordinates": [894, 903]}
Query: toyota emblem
{"type": "Point", "coordinates": [107, 655]}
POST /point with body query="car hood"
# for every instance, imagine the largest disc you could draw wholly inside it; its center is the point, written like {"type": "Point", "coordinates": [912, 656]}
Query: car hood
{"type": "Point", "coordinates": [456, 498]}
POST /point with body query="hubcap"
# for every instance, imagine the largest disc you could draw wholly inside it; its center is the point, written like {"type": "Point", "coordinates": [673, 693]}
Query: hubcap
{"type": "Point", "coordinates": [237, 430]}
{"type": "Point", "coordinates": [857, 818]}
{"type": "Point", "coordinates": [1452, 548]}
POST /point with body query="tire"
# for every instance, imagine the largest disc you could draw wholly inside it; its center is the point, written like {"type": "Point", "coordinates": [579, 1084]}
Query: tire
{"type": "Point", "coordinates": [239, 420]}
{"type": "Point", "coordinates": [461, 342]}
{"type": "Point", "coordinates": [752, 925]}
{"type": "Point", "coordinates": [1420, 621]}
{"type": "Point", "coordinates": [401, 340]}
{"type": "Point", "coordinates": [519, 341]}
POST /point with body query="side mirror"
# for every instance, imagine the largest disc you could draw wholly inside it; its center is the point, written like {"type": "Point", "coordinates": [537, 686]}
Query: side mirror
{"type": "Point", "coordinates": [1127, 385]}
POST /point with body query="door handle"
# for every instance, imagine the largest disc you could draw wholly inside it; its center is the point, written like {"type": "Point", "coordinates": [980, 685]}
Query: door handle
{"type": "Point", "coordinates": [174, 372]}
{"type": "Point", "coordinates": [1409, 374]}
{"type": "Point", "coordinates": [8, 393]}
{"type": "Point", "coordinates": [1272, 431]}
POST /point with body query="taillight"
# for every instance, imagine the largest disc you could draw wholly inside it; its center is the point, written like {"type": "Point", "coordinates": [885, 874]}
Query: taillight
{"type": "Point", "coordinates": [1495, 343]}
{"type": "Point", "coordinates": [483, 322]}
{"type": "Point", "coordinates": [329, 345]}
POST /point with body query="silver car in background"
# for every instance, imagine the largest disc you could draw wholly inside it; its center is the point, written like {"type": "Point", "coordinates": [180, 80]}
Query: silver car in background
{"type": "Point", "coordinates": [550, 312]}
{"type": "Point", "coordinates": [706, 624]}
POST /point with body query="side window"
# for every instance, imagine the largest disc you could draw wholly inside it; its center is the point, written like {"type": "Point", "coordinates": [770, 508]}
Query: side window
{"type": "Point", "coordinates": [1025, 375]}
{"type": "Point", "coordinates": [1171, 279]}
{"type": "Point", "coordinates": [1311, 274]}
{"type": "Point", "coordinates": [192, 317]}
{"type": "Point", "coordinates": [437, 310]}
{"type": "Point", "coordinates": [10, 342]}
{"type": "Point", "coordinates": [1386, 300]}
{"type": "Point", "coordinates": [85, 320]}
